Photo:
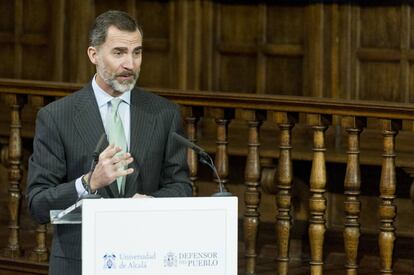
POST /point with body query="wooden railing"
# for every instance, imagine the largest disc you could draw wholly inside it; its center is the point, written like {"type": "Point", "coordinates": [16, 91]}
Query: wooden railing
{"type": "Point", "coordinates": [286, 112]}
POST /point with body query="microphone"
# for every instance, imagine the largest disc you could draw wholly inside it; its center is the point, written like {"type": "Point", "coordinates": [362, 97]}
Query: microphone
{"type": "Point", "coordinates": [190, 144]}
{"type": "Point", "coordinates": [95, 160]}
{"type": "Point", "coordinates": [205, 158]}
{"type": "Point", "coordinates": [98, 148]}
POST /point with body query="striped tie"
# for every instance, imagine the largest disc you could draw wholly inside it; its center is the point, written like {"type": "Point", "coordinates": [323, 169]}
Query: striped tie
{"type": "Point", "coordinates": [116, 136]}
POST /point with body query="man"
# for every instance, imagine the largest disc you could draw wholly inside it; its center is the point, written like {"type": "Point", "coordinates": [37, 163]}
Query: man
{"type": "Point", "coordinates": [141, 159]}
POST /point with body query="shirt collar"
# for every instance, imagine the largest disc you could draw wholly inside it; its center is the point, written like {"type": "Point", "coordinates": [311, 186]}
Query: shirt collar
{"type": "Point", "coordinates": [102, 97]}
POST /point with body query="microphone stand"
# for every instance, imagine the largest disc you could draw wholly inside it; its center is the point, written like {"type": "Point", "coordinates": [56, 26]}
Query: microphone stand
{"type": "Point", "coordinates": [205, 158]}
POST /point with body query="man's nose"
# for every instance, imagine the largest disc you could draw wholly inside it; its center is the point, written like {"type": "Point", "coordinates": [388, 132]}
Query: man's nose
{"type": "Point", "coordinates": [128, 62]}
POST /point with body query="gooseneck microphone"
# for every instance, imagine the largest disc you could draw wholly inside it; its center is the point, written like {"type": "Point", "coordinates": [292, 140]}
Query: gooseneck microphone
{"type": "Point", "coordinates": [95, 160]}
{"type": "Point", "coordinates": [205, 158]}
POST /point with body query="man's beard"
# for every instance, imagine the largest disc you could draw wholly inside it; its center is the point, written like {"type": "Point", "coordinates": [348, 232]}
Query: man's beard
{"type": "Point", "coordinates": [122, 87]}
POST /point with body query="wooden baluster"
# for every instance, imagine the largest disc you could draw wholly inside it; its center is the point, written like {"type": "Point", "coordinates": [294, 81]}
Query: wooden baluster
{"type": "Point", "coordinates": [40, 253]}
{"type": "Point", "coordinates": [191, 117]}
{"type": "Point", "coordinates": [4, 153]}
{"type": "Point", "coordinates": [352, 183]}
{"type": "Point", "coordinates": [286, 122]}
{"type": "Point", "coordinates": [16, 103]}
{"type": "Point", "coordinates": [252, 195]}
{"type": "Point", "coordinates": [222, 118]}
{"type": "Point", "coordinates": [387, 209]}
{"type": "Point", "coordinates": [317, 200]}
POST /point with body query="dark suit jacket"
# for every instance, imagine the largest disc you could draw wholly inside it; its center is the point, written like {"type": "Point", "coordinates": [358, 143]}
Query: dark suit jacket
{"type": "Point", "coordinates": [67, 132]}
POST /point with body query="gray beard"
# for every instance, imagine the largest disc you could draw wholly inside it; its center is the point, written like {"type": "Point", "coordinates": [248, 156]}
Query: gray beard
{"type": "Point", "coordinates": [110, 80]}
{"type": "Point", "coordinates": [119, 87]}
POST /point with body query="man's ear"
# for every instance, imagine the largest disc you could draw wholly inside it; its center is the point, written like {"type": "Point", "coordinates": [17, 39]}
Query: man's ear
{"type": "Point", "coordinates": [92, 54]}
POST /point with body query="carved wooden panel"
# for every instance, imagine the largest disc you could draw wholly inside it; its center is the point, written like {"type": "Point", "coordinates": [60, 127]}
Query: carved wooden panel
{"type": "Point", "coordinates": [29, 41]}
{"type": "Point", "coordinates": [159, 67]}
{"type": "Point", "coordinates": [6, 38]}
{"type": "Point", "coordinates": [378, 54]}
{"type": "Point", "coordinates": [258, 48]}
{"type": "Point", "coordinates": [345, 50]}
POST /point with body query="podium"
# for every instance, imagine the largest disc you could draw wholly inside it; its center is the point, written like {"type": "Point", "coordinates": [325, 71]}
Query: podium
{"type": "Point", "coordinates": [174, 236]}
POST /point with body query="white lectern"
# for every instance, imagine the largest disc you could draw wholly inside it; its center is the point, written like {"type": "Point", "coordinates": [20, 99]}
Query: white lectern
{"type": "Point", "coordinates": [174, 236]}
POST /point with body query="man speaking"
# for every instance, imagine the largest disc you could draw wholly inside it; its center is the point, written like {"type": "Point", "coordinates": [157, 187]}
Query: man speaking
{"type": "Point", "coordinates": [140, 157]}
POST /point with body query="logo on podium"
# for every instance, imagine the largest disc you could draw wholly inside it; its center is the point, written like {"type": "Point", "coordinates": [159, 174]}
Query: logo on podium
{"type": "Point", "coordinates": [170, 260]}
{"type": "Point", "coordinates": [109, 261]}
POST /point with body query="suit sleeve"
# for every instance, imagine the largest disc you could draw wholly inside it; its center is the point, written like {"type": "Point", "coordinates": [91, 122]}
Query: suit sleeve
{"type": "Point", "coordinates": [174, 179]}
{"type": "Point", "coordinates": [47, 188]}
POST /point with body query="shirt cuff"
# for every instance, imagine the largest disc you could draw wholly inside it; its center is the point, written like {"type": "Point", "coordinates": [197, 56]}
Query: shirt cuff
{"type": "Point", "coordinates": [79, 187]}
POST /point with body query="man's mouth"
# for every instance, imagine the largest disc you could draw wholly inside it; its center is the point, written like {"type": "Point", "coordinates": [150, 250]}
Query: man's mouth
{"type": "Point", "coordinates": [124, 77]}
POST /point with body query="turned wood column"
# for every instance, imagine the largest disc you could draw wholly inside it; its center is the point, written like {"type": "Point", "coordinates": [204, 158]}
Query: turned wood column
{"type": "Point", "coordinates": [286, 122]}
{"type": "Point", "coordinates": [352, 184]}
{"type": "Point", "coordinates": [191, 117]}
{"type": "Point", "coordinates": [222, 118]}
{"type": "Point", "coordinates": [252, 195]}
{"type": "Point", "coordinates": [16, 103]}
{"type": "Point", "coordinates": [387, 208]}
{"type": "Point", "coordinates": [40, 253]}
{"type": "Point", "coordinates": [317, 200]}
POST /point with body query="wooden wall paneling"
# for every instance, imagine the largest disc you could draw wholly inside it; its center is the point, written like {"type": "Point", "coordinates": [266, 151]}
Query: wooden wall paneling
{"type": "Point", "coordinates": [346, 58]}
{"type": "Point", "coordinates": [261, 42]}
{"type": "Point", "coordinates": [355, 43]}
{"type": "Point", "coordinates": [382, 52]}
{"type": "Point", "coordinates": [36, 40]}
{"type": "Point", "coordinates": [131, 7]}
{"type": "Point", "coordinates": [79, 19]}
{"type": "Point", "coordinates": [103, 6]}
{"type": "Point", "coordinates": [194, 45]}
{"type": "Point", "coordinates": [216, 34]}
{"type": "Point", "coordinates": [57, 37]}
{"type": "Point", "coordinates": [284, 49]}
{"type": "Point", "coordinates": [405, 48]}
{"type": "Point", "coordinates": [208, 39]}
{"type": "Point", "coordinates": [333, 46]}
{"type": "Point", "coordinates": [158, 19]}
{"type": "Point", "coordinates": [7, 29]}
{"type": "Point", "coordinates": [173, 44]}
{"type": "Point", "coordinates": [315, 50]}
{"type": "Point", "coordinates": [237, 47]}
{"type": "Point", "coordinates": [18, 17]}
{"type": "Point", "coordinates": [411, 52]}
{"type": "Point", "coordinates": [180, 39]}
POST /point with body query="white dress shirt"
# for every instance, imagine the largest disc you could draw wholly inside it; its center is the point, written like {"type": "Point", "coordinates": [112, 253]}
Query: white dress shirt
{"type": "Point", "coordinates": [103, 100]}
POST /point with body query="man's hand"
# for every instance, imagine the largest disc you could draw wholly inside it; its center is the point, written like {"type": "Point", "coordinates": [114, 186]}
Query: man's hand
{"type": "Point", "coordinates": [110, 166]}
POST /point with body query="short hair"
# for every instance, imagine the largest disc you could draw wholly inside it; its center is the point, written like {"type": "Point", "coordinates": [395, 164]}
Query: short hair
{"type": "Point", "coordinates": [119, 19]}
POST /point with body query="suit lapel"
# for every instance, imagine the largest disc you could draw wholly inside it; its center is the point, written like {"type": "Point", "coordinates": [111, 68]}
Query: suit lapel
{"type": "Point", "coordinates": [142, 127]}
{"type": "Point", "coordinates": [88, 122]}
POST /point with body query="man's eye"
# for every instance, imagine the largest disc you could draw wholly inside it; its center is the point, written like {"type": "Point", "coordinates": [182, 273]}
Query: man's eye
{"type": "Point", "coordinates": [117, 53]}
